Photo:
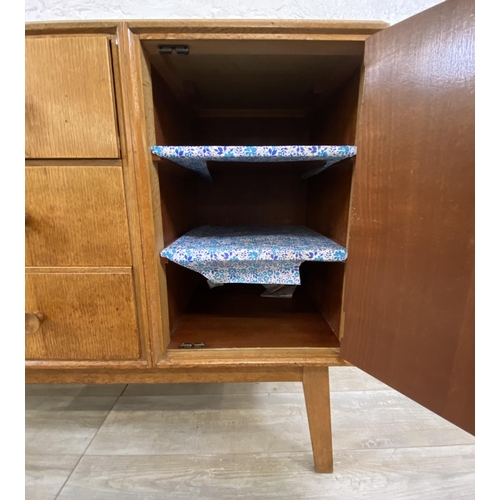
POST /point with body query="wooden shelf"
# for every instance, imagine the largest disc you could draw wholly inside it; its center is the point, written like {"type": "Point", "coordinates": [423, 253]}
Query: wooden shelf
{"type": "Point", "coordinates": [195, 158]}
{"type": "Point", "coordinates": [235, 316]}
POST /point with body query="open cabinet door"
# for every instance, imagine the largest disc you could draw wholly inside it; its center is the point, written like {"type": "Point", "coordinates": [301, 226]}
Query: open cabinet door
{"type": "Point", "coordinates": [409, 289]}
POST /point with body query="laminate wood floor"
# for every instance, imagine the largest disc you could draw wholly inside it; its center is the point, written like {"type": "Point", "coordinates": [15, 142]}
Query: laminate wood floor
{"type": "Point", "coordinates": [227, 441]}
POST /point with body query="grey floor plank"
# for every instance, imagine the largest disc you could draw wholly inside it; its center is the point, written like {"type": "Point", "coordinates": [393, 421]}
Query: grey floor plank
{"type": "Point", "coordinates": [266, 423]}
{"type": "Point", "coordinates": [396, 474]}
{"type": "Point", "coordinates": [74, 389]}
{"type": "Point", "coordinates": [46, 474]}
{"type": "Point", "coordinates": [194, 424]}
{"type": "Point", "coordinates": [342, 378]}
{"type": "Point", "coordinates": [63, 424]}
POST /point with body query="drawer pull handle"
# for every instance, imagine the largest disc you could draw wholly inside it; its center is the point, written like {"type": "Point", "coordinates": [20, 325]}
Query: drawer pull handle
{"type": "Point", "coordinates": [33, 322]}
{"type": "Point", "coordinates": [27, 217]}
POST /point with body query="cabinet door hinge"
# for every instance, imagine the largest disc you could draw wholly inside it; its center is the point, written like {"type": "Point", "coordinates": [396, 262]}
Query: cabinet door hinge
{"type": "Point", "coordinates": [170, 49]}
{"type": "Point", "coordinates": [192, 345]}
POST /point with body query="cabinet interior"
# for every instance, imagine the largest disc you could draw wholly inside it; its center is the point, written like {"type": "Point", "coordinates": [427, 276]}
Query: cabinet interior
{"type": "Point", "coordinates": [228, 92]}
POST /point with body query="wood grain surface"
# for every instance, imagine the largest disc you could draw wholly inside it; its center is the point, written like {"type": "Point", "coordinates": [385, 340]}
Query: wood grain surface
{"type": "Point", "coordinates": [77, 217]}
{"type": "Point", "coordinates": [70, 104]}
{"type": "Point", "coordinates": [236, 316]}
{"type": "Point", "coordinates": [317, 396]}
{"type": "Point", "coordinates": [276, 27]}
{"type": "Point", "coordinates": [87, 317]}
{"type": "Point", "coordinates": [409, 297]}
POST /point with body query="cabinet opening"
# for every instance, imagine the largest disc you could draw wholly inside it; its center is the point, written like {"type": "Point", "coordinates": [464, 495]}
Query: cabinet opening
{"type": "Point", "coordinates": [253, 93]}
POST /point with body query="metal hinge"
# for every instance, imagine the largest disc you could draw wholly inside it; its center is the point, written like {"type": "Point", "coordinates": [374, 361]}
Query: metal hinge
{"type": "Point", "coordinates": [192, 345]}
{"type": "Point", "coordinates": [178, 49]}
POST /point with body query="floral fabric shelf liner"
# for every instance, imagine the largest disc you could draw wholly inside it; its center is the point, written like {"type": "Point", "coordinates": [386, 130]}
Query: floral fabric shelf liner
{"type": "Point", "coordinates": [196, 157]}
{"type": "Point", "coordinates": [252, 254]}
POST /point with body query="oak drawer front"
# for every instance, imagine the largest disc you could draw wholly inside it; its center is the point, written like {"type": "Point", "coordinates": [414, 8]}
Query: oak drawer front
{"type": "Point", "coordinates": [76, 216]}
{"type": "Point", "coordinates": [70, 103]}
{"type": "Point", "coordinates": [81, 316]}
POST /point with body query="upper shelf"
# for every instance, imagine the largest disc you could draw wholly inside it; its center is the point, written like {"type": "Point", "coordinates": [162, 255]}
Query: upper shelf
{"type": "Point", "coordinates": [195, 157]}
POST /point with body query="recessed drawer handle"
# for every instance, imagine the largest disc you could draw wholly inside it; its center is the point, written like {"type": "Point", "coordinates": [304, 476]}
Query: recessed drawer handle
{"type": "Point", "coordinates": [33, 322]}
{"type": "Point", "coordinates": [27, 218]}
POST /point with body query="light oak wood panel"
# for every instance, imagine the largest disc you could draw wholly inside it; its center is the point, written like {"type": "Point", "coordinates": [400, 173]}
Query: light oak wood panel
{"type": "Point", "coordinates": [256, 26]}
{"type": "Point", "coordinates": [71, 27]}
{"type": "Point", "coordinates": [140, 135]}
{"type": "Point", "coordinates": [68, 162]}
{"type": "Point", "coordinates": [342, 379]}
{"type": "Point", "coordinates": [85, 364]}
{"type": "Point", "coordinates": [131, 196]}
{"type": "Point", "coordinates": [87, 316]}
{"type": "Point", "coordinates": [76, 217]}
{"type": "Point", "coordinates": [191, 374]}
{"type": "Point", "coordinates": [74, 270]}
{"type": "Point", "coordinates": [70, 104]}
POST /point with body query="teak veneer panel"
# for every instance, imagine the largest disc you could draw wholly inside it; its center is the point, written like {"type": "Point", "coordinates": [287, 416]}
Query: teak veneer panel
{"type": "Point", "coordinates": [76, 217]}
{"type": "Point", "coordinates": [70, 103]}
{"type": "Point", "coordinates": [409, 293]}
{"type": "Point", "coordinates": [87, 317]}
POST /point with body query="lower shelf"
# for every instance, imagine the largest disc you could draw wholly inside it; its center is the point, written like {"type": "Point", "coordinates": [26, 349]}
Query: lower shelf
{"type": "Point", "coordinates": [235, 316]}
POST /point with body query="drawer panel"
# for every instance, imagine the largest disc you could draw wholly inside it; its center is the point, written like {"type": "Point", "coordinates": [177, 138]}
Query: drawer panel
{"type": "Point", "coordinates": [70, 103]}
{"type": "Point", "coordinates": [81, 316]}
{"type": "Point", "coordinates": [76, 216]}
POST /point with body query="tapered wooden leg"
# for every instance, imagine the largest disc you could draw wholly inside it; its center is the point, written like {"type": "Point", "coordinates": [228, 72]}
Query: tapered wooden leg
{"type": "Point", "coordinates": [317, 394]}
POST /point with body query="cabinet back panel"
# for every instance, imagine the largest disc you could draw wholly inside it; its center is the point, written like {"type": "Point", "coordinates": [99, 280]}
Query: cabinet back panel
{"type": "Point", "coordinates": [252, 199]}
{"type": "Point", "coordinates": [251, 131]}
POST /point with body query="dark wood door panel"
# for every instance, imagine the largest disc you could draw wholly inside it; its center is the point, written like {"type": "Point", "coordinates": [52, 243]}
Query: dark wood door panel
{"type": "Point", "coordinates": [409, 304]}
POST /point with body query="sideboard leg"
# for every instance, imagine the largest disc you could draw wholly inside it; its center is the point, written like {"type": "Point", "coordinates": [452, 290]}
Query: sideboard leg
{"type": "Point", "coordinates": [317, 395]}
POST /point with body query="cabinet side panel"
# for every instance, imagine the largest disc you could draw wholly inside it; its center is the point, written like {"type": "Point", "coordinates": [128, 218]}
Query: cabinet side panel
{"type": "Point", "coordinates": [329, 197]}
{"type": "Point", "coordinates": [409, 298]}
{"type": "Point", "coordinates": [176, 191]}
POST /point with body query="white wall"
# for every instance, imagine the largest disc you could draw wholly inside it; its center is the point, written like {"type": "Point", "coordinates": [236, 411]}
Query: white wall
{"type": "Point", "coordinates": [390, 11]}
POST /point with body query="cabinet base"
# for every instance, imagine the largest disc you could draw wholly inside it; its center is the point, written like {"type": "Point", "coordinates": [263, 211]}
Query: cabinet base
{"type": "Point", "coordinates": [314, 379]}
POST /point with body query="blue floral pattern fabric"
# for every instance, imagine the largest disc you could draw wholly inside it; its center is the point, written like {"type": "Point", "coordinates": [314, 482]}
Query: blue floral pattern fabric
{"type": "Point", "coordinates": [195, 157]}
{"type": "Point", "coordinates": [252, 254]}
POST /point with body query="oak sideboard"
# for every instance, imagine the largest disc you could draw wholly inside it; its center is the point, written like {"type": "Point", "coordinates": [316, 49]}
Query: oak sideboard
{"type": "Point", "coordinates": [102, 306]}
